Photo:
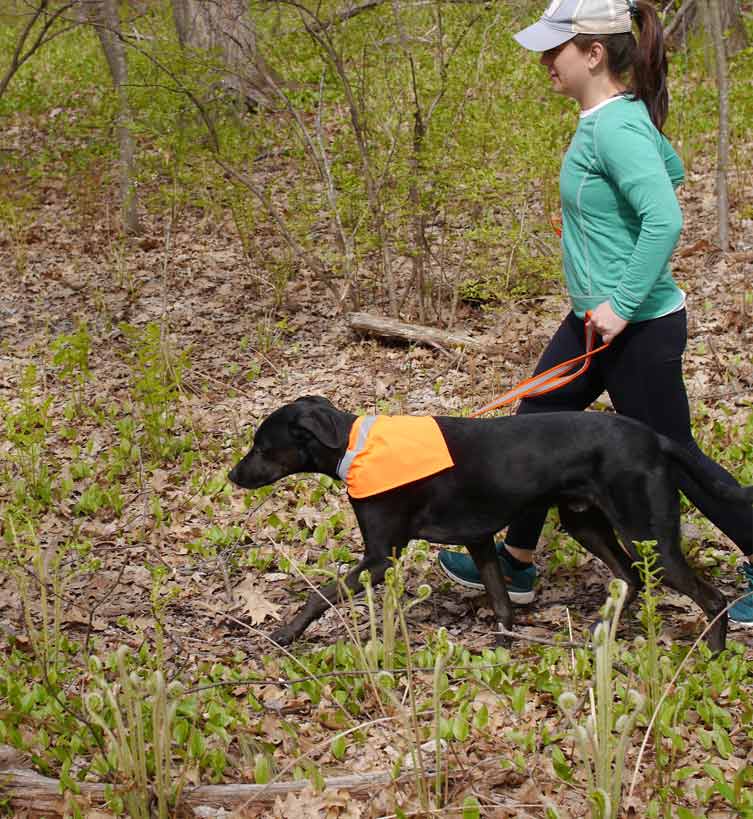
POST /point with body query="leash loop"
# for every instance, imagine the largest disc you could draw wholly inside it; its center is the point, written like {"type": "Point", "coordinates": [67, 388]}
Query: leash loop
{"type": "Point", "coordinates": [552, 379]}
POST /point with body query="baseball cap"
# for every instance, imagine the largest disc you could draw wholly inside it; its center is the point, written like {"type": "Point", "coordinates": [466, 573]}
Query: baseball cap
{"type": "Point", "coordinates": [563, 19]}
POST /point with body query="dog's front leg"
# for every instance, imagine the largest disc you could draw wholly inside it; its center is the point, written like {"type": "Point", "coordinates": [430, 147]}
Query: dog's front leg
{"type": "Point", "coordinates": [484, 555]}
{"type": "Point", "coordinates": [319, 600]}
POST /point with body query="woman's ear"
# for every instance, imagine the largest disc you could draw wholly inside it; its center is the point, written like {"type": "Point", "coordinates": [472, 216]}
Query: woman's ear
{"type": "Point", "coordinates": [597, 55]}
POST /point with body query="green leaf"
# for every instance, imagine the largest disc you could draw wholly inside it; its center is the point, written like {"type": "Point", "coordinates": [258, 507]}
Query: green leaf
{"type": "Point", "coordinates": [561, 767]}
{"type": "Point", "coordinates": [67, 783]}
{"type": "Point", "coordinates": [471, 808]}
{"type": "Point", "coordinates": [714, 772]}
{"type": "Point", "coordinates": [316, 778]}
{"type": "Point", "coordinates": [518, 698]}
{"type": "Point", "coordinates": [460, 728]}
{"type": "Point", "coordinates": [181, 731]}
{"type": "Point", "coordinates": [196, 745]}
{"type": "Point", "coordinates": [727, 791]}
{"type": "Point", "coordinates": [722, 742]}
{"type": "Point", "coordinates": [320, 534]}
{"type": "Point", "coordinates": [481, 718]}
{"type": "Point", "coordinates": [602, 804]}
{"type": "Point", "coordinates": [684, 773]}
{"type": "Point", "coordinates": [262, 769]}
{"type": "Point", "coordinates": [338, 747]}
{"type": "Point", "coordinates": [445, 728]}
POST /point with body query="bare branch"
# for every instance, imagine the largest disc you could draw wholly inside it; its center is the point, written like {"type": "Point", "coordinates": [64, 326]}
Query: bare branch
{"type": "Point", "coordinates": [43, 38]}
{"type": "Point", "coordinates": [315, 262]}
{"type": "Point", "coordinates": [678, 18]}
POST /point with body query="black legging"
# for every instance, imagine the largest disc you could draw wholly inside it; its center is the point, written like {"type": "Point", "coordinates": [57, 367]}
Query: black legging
{"type": "Point", "coordinates": [642, 372]}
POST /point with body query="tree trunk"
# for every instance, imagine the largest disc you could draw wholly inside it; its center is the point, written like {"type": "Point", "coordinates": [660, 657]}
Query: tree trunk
{"type": "Point", "coordinates": [690, 18]}
{"type": "Point", "coordinates": [722, 81]}
{"type": "Point", "coordinates": [224, 26]}
{"type": "Point", "coordinates": [107, 23]}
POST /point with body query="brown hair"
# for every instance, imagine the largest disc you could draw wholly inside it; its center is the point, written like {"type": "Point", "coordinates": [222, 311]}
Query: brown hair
{"type": "Point", "coordinates": [646, 60]}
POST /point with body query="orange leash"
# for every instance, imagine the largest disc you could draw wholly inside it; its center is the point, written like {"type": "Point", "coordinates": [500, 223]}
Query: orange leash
{"type": "Point", "coordinates": [551, 379]}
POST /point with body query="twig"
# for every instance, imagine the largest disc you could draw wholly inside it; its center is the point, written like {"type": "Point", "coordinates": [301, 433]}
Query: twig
{"type": "Point", "coordinates": [98, 603]}
{"type": "Point", "coordinates": [226, 578]}
{"type": "Point", "coordinates": [328, 674]}
{"type": "Point", "coordinates": [515, 635]}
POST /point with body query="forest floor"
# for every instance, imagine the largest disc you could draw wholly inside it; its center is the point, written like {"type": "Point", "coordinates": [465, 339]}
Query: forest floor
{"type": "Point", "coordinates": [246, 355]}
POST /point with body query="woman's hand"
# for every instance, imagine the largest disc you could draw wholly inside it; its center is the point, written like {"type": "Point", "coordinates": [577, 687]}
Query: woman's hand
{"type": "Point", "coordinates": [606, 322]}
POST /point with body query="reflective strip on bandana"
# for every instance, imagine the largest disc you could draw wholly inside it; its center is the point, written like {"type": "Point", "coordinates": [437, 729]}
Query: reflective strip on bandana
{"type": "Point", "coordinates": [364, 425]}
{"type": "Point", "coordinates": [386, 451]}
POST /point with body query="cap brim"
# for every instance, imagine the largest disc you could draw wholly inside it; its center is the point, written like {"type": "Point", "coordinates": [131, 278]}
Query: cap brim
{"type": "Point", "coordinates": [541, 37]}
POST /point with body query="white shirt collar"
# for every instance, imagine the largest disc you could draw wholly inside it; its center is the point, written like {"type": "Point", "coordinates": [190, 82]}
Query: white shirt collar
{"type": "Point", "coordinates": [588, 111]}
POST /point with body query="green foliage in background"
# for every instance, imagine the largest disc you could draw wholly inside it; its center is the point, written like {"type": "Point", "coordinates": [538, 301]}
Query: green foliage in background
{"type": "Point", "coordinates": [470, 196]}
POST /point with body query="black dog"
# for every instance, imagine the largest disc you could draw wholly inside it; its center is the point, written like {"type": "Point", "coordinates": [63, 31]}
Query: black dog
{"type": "Point", "coordinates": [606, 473]}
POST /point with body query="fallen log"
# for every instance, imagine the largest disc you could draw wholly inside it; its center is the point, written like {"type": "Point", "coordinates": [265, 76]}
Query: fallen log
{"type": "Point", "coordinates": [24, 788]}
{"type": "Point", "coordinates": [413, 333]}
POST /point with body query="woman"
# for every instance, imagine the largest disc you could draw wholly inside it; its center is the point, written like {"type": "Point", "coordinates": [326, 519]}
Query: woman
{"type": "Point", "coordinates": [620, 223]}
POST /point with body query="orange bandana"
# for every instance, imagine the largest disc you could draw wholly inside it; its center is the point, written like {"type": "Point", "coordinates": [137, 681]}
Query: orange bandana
{"type": "Point", "coordinates": [386, 451]}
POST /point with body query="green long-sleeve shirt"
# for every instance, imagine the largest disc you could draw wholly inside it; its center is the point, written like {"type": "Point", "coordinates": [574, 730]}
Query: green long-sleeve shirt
{"type": "Point", "coordinates": [620, 216]}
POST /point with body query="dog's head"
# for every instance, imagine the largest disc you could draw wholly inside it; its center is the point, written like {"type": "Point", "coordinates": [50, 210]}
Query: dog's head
{"type": "Point", "coordinates": [308, 435]}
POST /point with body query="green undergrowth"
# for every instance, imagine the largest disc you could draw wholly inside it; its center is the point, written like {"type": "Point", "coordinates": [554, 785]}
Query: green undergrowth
{"type": "Point", "coordinates": [125, 717]}
{"type": "Point", "coordinates": [113, 481]}
{"type": "Point", "coordinates": [150, 723]}
{"type": "Point", "coordinates": [478, 182]}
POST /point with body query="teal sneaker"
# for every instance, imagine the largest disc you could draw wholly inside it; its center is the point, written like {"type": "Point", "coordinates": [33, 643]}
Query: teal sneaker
{"type": "Point", "coordinates": [742, 612]}
{"type": "Point", "coordinates": [460, 568]}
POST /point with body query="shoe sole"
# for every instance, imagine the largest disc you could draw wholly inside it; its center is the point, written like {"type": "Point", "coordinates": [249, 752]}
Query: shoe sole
{"type": "Point", "coordinates": [521, 598]}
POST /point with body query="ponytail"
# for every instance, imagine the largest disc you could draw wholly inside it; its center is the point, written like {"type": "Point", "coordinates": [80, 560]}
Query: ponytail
{"type": "Point", "coordinates": [645, 61]}
{"type": "Point", "coordinates": [650, 63]}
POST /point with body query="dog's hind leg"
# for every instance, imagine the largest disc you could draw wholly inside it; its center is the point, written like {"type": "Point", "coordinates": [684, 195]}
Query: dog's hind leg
{"type": "Point", "coordinates": [683, 579]}
{"type": "Point", "coordinates": [656, 516]}
{"type": "Point", "coordinates": [592, 529]}
{"type": "Point", "coordinates": [484, 554]}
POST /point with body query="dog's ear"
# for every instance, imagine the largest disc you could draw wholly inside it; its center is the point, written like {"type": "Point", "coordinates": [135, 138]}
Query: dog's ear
{"type": "Point", "coordinates": [321, 422]}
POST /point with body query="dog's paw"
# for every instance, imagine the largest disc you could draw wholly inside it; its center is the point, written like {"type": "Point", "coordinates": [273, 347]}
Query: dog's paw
{"type": "Point", "coordinates": [284, 636]}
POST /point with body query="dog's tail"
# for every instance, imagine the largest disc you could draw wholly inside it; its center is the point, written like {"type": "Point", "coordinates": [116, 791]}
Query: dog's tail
{"type": "Point", "coordinates": [690, 466]}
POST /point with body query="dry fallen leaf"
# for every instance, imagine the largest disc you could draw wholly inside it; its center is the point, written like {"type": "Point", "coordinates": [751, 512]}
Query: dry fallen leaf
{"type": "Point", "coordinates": [254, 603]}
{"type": "Point", "coordinates": [311, 805]}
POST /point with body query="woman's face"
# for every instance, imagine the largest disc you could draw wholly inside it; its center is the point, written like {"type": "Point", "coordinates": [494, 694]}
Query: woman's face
{"type": "Point", "coordinates": [569, 69]}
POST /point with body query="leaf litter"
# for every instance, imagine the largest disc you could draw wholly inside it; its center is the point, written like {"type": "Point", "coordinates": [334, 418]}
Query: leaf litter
{"type": "Point", "coordinates": [248, 355]}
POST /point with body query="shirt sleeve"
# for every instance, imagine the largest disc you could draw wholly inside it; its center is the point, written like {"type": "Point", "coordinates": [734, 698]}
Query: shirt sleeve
{"type": "Point", "coordinates": [640, 170]}
{"type": "Point", "coordinates": [672, 163]}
